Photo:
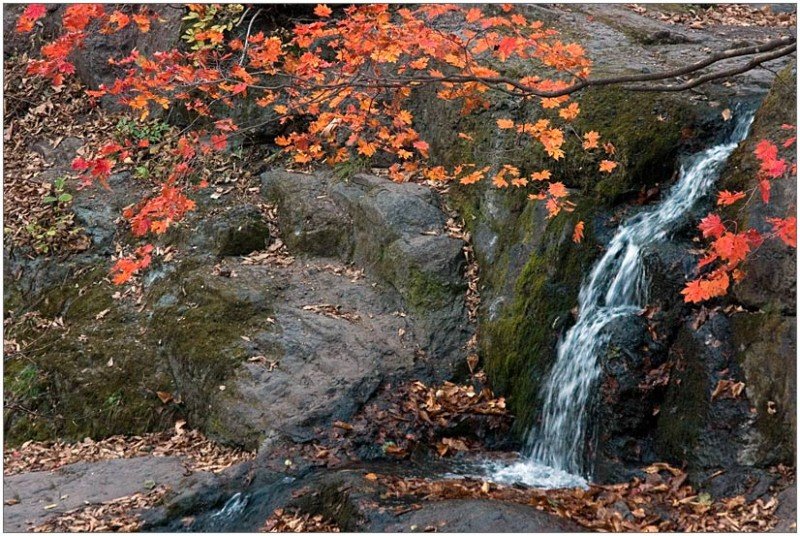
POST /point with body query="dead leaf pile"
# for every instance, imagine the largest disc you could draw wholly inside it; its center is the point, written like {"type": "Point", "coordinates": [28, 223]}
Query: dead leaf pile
{"type": "Point", "coordinates": [292, 520]}
{"type": "Point", "coordinates": [117, 515]}
{"type": "Point", "coordinates": [727, 389]}
{"type": "Point", "coordinates": [450, 418]}
{"type": "Point", "coordinates": [456, 228]}
{"type": "Point", "coordinates": [202, 454]}
{"type": "Point", "coordinates": [276, 253]}
{"type": "Point", "coordinates": [37, 114]}
{"type": "Point", "coordinates": [721, 14]}
{"type": "Point", "coordinates": [661, 502]}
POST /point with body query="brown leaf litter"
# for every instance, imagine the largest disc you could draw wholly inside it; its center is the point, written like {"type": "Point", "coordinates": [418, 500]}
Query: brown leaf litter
{"type": "Point", "coordinates": [698, 17]}
{"type": "Point", "coordinates": [116, 515]}
{"type": "Point", "coordinates": [201, 453]}
{"type": "Point", "coordinates": [292, 520]}
{"type": "Point", "coordinates": [661, 502]}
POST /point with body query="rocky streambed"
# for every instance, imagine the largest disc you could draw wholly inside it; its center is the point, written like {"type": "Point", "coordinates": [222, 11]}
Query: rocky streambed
{"type": "Point", "coordinates": [292, 315]}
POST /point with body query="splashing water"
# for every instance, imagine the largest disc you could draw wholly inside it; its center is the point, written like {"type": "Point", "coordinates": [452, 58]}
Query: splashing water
{"type": "Point", "coordinates": [616, 287]}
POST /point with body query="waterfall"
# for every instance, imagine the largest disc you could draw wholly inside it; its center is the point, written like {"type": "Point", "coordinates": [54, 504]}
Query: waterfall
{"type": "Point", "coordinates": [616, 286]}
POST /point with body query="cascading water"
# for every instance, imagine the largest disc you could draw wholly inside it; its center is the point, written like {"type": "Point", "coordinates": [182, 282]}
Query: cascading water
{"type": "Point", "coordinates": [616, 287]}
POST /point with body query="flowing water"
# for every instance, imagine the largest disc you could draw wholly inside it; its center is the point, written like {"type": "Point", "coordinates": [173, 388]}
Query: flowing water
{"type": "Point", "coordinates": [617, 286]}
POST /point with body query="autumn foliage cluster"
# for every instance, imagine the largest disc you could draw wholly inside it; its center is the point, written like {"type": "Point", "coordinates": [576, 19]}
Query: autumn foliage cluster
{"type": "Point", "coordinates": [730, 247]}
{"type": "Point", "coordinates": [340, 86]}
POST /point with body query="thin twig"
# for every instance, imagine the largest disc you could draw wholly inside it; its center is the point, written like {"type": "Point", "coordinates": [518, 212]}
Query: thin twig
{"type": "Point", "coordinates": [247, 36]}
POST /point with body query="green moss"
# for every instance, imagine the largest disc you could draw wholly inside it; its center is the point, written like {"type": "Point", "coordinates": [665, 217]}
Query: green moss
{"type": "Point", "coordinates": [99, 375]}
{"type": "Point", "coordinates": [94, 377]}
{"type": "Point", "coordinates": [518, 347]}
{"type": "Point", "coordinates": [200, 339]}
{"type": "Point", "coordinates": [646, 130]}
{"type": "Point", "coordinates": [425, 292]}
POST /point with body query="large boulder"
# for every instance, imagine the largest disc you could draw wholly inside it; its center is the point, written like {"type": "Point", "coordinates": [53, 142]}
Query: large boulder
{"type": "Point", "coordinates": [242, 351]}
{"type": "Point", "coordinates": [397, 231]}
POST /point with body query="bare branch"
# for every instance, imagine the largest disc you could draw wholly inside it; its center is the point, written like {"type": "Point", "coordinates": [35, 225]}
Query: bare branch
{"type": "Point", "coordinates": [725, 73]}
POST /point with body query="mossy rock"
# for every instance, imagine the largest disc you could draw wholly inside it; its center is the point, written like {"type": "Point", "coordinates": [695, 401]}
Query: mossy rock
{"type": "Point", "coordinates": [100, 374]}
{"type": "Point", "coordinates": [646, 130]}
{"type": "Point", "coordinates": [766, 349]}
{"type": "Point", "coordinates": [199, 328]}
{"type": "Point", "coordinates": [94, 377]}
{"type": "Point", "coordinates": [518, 347]}
{"type": "Point", "coordinates": [425, 270]}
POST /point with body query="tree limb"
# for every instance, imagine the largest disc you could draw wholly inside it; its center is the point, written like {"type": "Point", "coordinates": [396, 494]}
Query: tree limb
{"type": "Point", "coordinates": [694, 82]}
{"type": "Point", "coordinates": [781, 47]}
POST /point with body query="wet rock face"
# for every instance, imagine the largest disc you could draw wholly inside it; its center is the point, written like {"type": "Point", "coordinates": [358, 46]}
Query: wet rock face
{"type": "Point", "coordinates": [747, 345]}
{"type": "Point", "coordinates": [765, 346]}
{"type": "Point", "coordinates": [531, 274]}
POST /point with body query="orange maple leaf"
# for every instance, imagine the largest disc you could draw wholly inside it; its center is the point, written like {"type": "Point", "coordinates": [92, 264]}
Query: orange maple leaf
{"type": "Point", "coordinates": [590, 140]}
{"type": "Point", "coordinates": [607, 166]}
{"type": "Point", "coordinates": [557, 189]}
{"type": "Point", "coordinates": [142, 22]}
{"type": "Point", "coordinates": [577, 233]}
{"type": "Point", "coordinates": [732, 247]}
{"type": "Point", "coordinates": [322, 11]}
{"type": "Point", "coordinates": [785, 229]}
{"type": "Point", "coordinates": [712, 226]}
{"type": "Point", "coordinates": [726, 198]}
{"type": "Point", "coordinates": [570, 112]}
{"type": "Point", "coordinates": [703, 289]}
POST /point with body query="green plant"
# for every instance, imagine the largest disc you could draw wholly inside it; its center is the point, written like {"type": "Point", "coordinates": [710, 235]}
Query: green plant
{"type": "Point", "coordinates": [45, 237]}
{"type": "Point", "coordinates": [345, 170]}
{"type": "Point", "coordinates": [56, 225]}
{"type": "Point", "coordinates": [152, 131]}
{"type": "Point", "coordinates": [59, 195]}
{"type": "Point", "coordinates": [208, 21]}
{"type": "Point", "coordinates": [114, 400]}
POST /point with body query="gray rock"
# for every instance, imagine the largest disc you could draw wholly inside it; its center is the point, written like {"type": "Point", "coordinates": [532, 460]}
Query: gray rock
{"type": "Point", "coordinates": [473, 515]}
{"type": "Point", "coordinates": [83, 483]}
{"type": "Point", "coordinates": [787, 510]}
{"type": "Point", "coordinates": [310, 220]}
{"type": "Point", "coordinates": [394, 230]}
{"type": "Point", "coordinates": [231, 231]}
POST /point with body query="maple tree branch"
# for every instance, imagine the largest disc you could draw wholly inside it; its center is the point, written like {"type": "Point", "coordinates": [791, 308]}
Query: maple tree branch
{"type": "Point", "coordinates": [781, 47]}
{"type": "Point", "coordinates": [694, 82]}
{"type": "Point", "coordinates": [768, 51]}
{"type": "Point", "coordinates": [247, 36]}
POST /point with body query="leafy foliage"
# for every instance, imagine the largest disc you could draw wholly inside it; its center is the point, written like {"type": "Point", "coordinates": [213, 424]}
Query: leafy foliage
{"type": "Point", "coordinates": [341, 83]}
{"type": "Point", "coordinates": [729, 248]}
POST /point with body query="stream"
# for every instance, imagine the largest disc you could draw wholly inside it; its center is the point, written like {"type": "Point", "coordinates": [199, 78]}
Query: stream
{"type": "Point", "coordinates": [617, 286]}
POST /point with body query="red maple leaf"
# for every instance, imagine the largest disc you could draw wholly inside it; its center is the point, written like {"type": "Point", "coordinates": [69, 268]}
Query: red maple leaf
{"type": "Point", "coordinates": [712, 226]}
{"type": "Point", "coordinates": [785, 229]}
